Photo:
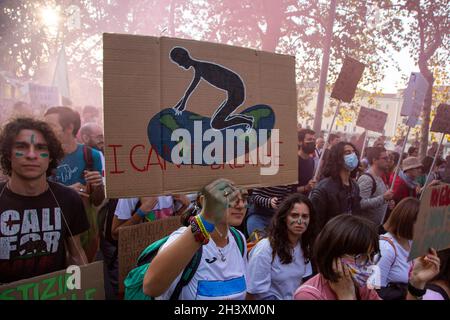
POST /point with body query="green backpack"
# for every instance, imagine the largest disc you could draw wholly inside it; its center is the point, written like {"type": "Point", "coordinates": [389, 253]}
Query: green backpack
{"type": "Point", "coordinates": [134, 281]}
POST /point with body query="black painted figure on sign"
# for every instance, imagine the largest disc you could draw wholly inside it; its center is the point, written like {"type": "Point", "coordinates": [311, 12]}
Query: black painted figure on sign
{"type": "Point", "coordinates": [221, 78]}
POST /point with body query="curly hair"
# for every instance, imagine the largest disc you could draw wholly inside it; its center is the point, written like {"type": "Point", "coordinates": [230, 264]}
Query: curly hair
{"type": "Point", "coordinates": [335, 162]}
{"type": "Point", "coordinates": [13, 128]}
{"type": "Point", "coordinates": [278, 233]}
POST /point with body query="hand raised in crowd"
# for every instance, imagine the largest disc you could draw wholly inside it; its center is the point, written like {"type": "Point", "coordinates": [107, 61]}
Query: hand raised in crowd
{"type": "Point", "coordinates": [344, 288]}
{"type": "Point", "coordinates": [81, 189]}
{"type": "Point", "coordinates": [93, 178]}
{"type": "Point", "coordinates": [388, 195]}
{"type": "Point", "coordinates": [148, 203]}
{"type": "Point", "coordinates": [434, 183]}
{"type": "Point", "coordinates": [274, 202]}
{"type": "Point", "coordinates": [424, 269]}
{"type": "Point", "coordinates": [218, 195]}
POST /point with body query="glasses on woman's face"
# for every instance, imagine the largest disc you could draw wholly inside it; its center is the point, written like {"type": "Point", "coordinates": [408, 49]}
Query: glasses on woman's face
{"type": "Point", "coordinates": [364, 259]}
{"type": "Point", "coordinates": [240, 200]}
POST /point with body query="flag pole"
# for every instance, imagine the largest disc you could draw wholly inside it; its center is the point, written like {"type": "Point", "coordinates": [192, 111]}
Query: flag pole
{"type": "Point", "coordinates": [400, 159]}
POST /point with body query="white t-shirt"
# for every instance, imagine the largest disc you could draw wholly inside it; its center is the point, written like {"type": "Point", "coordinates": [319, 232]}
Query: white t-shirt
{"type": "Point", "coordinates": [393, 268]}
{"type": "Point", "coordinates": [267, 279]}
{"type": "Point", "coordinates": [216, 279]}
{"type": "Point", "coordinates": [164, 207]}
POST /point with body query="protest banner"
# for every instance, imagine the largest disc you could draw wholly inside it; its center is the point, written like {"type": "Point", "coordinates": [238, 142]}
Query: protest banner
{"type": "Point", "coordinates": [134, 239]}
{"type": "Point", "coordinates": [343, 90]}
{"type": "Point", "coordinates": [441, 121]}
{"type": "Point", "coordinates": [44, 96]}
{"type": "Point", "coordinates": [345, 86]}
{"type": "Point", "coordinates": [60, 285]}
{"type": "Point", "coordinates": [432, 228]}
{"type": "Point", "coordinates": [371, 119]}
{"type": "Point", "coordinates": [179, 113]}
{"type": "Point", "coordinates": [413, 98]}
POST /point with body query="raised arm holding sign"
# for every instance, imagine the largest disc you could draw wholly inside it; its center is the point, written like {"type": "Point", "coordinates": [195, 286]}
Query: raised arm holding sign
{"type": "Point", "coordinates": [344, 90]}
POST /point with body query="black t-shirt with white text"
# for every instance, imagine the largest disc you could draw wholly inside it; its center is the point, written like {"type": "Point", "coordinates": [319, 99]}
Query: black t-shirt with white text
{"type": "Point", "coordinates": [33, 231]}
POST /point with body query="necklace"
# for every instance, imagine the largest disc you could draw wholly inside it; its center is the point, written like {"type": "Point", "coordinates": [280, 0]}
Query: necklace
{"type": "Point", "coordinates": [222, 257]}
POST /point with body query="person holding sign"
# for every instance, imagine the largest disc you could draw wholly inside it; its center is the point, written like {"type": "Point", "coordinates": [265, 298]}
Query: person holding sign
{"type": "Point", "coordinates": [221, 273]}
{"type": "Point", "coordinates": [41, 221]}
{"type": "Point", "coordinates": [337, 193]}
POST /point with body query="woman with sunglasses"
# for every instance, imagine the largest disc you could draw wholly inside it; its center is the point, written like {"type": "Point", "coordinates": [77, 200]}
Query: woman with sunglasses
{"type": "Point", "coordinates": [278, 264]}
{"type": "Point", "coordinates": [345, 253]}
{"type": "Point", "coordinates": [221, 272]}
{"type": "Point", "coordinates": [337, 193]}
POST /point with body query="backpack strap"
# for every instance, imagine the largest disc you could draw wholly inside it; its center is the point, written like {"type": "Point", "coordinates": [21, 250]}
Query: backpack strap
{"type": "Point", "coordinates": [393, 246]}
{"type": "Point", "coordinates": [191, 268]}
{"type": "Point", "coordinates": [438, 289]}
{"type": "Point", "coordinates": [188, 274]}
{"type": "Point", "coordinates": [88, 158]}
{"type": "Point", "coordinates": [374, 183]}
{"type": "Point", "coordinates": [239, 240]}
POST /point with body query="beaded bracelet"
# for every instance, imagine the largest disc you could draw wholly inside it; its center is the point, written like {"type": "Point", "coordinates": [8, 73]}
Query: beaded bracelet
{"type": "Point", "coordinates": [199, 235]}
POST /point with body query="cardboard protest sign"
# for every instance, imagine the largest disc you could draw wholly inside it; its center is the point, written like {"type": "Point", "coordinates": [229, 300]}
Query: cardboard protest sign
{"type": "Point", "coordinates": [413, 98]}
{"type": "Point", "coordinates": [432, 228]}
{"type": "Point", "coordinates": [345, 86]}
{"type": "Point", "coordinates": [60, 285]}
{"type": "Point", "coordinates": [44, 95]}
{"type": "Point", "coordinates": [371, 119]}
{"type": "Point", "coordinates": [441, 122]}
{"type": "Point", "coordinates": [173, 109]}
{"type": "Point", "coordinates": [134, 239]}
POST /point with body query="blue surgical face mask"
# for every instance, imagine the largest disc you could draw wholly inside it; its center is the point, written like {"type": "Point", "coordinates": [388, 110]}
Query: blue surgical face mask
{"type": "Point", "coordinates": [351, 161]}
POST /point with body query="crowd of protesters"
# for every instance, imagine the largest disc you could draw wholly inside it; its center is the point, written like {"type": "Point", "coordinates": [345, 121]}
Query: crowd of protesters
{"type": "Point", "coordinates": [345, 235]}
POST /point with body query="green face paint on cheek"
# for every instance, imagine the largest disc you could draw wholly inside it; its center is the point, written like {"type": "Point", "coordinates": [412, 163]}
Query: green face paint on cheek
{"type": "Point", "coordinates": [44, 155]}
{"type": "Point", "coordinates": [19, 154]}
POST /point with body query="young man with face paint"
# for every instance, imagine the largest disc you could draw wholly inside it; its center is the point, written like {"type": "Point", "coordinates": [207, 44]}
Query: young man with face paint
{"type": "Point", "coordinates": [75, 172]}
{"type": "Point", "coordinates": [40, 221]}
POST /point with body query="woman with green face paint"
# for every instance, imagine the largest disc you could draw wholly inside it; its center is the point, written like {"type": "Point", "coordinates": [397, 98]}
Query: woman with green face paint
{"type": "Point", "coordinates": [278, 264]}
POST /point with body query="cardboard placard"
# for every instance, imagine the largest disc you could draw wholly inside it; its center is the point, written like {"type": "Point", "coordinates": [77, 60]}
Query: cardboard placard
{"type": "Point", "coordinates": [134, 239]}
{"type": "Point", "coordinates": [155, 88]}
{"type": "Point", "coordinates": [53, 286]}
{"type": "Point", "coordinates": [432, 229]}
{"type": "Point", "coordinates": [370, 119]}
{"type": "Point", "coordinates": [414, 96]}
{"type": "Point", "coordinates": [441, 121]}
{"type": "Point", "coordinates": [44, 95]}
{"type": "Point", "coordinates": [345, 86]}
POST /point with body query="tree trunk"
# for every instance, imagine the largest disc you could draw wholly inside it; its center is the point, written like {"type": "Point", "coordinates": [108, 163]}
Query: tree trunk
{"type": "Point", "coordinates": [273, 11]}
{"type": "Point", "coordinates": [172, 9]}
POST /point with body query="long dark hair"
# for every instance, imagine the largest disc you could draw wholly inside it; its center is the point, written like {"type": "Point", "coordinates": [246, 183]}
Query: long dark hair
{"type": "Point", "coordinates": [335, 162]}
{"type": "Point", "coordinates": [278, 233]}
